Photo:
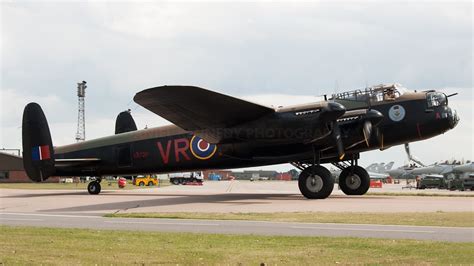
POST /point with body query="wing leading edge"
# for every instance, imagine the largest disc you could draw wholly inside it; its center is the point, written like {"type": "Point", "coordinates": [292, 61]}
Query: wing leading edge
{"type": "Point", "coordinates": [193, 108]}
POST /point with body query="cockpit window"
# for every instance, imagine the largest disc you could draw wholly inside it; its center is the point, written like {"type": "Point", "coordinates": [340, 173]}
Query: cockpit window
{"type": "Point", "coordinates": [387, 93]}
{"type": "Point", "coordinates": [379, 93]}
{"type": "Point", "coordinates": [435, 99]}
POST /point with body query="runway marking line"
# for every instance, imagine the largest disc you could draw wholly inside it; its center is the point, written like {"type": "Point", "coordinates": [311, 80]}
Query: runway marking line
{"type": "Point", "coordinates": [49, 215]}
{"type": "Point", "coordinates": [158, 223]}
{"type": "Point", "coordinates": [303, 223]}
{"type": "Point", "coordinates": [19, 219]}
{"type": "Point", "coordinates": [362, 229]}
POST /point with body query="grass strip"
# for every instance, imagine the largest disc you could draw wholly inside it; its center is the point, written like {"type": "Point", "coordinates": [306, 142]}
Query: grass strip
{"type": "Point", "coordinates": [34, 246]}
{"type": "Point", "coordinates": [451, 219]}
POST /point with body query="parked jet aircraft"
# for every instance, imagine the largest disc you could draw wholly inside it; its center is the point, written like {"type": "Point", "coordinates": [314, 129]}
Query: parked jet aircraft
{"type": "Point", "coordinates": [417, 168]}
{"type": "Point", "coordinates": [212, 131]}
{"type": "Point", "coordinates": [375, 170]}
{"type": "Point", "coordinates": [445, 168]}
{"type": "Point", "coordinates": [380, 168]}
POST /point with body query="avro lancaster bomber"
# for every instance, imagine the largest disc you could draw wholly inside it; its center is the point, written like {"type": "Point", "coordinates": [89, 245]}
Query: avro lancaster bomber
{"type": "Point", "coordinates": [216, 131]}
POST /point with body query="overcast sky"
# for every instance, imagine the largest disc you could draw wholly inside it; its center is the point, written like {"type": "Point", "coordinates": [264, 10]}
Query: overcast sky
{"type": "Point", "coordinates": [273, 53]}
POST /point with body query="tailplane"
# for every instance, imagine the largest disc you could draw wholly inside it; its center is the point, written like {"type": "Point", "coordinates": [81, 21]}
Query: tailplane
{"type": "Point", "coordinates": [38, 152]}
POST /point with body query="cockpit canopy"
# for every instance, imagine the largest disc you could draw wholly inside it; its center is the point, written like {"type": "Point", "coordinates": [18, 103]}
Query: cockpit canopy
{"type": "Point", "coordinates": [452, 162]}
{"type": "Point", "coordinates": [363, 97]}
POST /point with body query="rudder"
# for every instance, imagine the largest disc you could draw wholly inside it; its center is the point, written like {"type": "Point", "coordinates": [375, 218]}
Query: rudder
{"type": "Point", "coordinates": [38, 152]}
{"type": "Point", "coordinates": [125, 123]}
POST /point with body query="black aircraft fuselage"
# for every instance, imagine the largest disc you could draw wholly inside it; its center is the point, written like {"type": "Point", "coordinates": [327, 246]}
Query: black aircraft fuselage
{"type": "Point", "coordinates": [329, 131]}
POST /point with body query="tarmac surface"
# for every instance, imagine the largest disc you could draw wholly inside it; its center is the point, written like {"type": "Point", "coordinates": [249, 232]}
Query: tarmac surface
{"type": "Point", "coordinates": [451, 234]}
{"type": "Point", "coordinates": [78, 209]}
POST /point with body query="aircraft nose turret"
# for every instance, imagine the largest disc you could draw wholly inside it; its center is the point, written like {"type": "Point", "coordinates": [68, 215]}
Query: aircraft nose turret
{"type": "Point", "coordinates": [453, 117]}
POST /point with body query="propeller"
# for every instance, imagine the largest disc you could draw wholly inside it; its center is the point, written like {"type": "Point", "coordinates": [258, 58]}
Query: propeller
{"type": "Point", "coordinates": [336, 134]}
{"type": "Point", "coordinates": [367, 130]}
{"type": "Point", "coordinates": [372, 119]}
{"type": "Point", "coordinates": [330, 114]}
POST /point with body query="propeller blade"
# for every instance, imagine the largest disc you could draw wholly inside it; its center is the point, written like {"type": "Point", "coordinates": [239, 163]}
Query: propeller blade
{"type": "Point", "coordinates": [371, 129]}
{"type": "Point", "coordinates": [336, 134]}
{"type": "Point", "coordinates": [367, 129]}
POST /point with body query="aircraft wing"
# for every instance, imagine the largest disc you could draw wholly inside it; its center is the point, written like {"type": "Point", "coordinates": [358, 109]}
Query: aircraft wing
{"type": "Point", "coordinates": [195, 109]}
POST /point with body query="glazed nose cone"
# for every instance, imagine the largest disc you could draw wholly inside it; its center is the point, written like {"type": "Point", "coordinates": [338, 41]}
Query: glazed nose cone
{"type": "Point", "coordinates": [453, 117]}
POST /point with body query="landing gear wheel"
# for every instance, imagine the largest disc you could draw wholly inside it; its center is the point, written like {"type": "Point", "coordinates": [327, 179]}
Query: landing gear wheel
{"type": "Point", "coordinates": [315, 182]}
{"type": "Point", "coordinates": [354, 180]}
{"type": "Point", "coordinates": [93, 188]}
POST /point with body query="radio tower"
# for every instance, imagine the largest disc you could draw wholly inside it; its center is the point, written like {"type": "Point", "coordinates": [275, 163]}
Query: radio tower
{"type": "Point", "coordinates": [81, 125]}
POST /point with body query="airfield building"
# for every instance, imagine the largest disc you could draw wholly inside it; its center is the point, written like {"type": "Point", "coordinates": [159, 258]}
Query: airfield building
{"type": "Point", "coordinates": [12, 171]}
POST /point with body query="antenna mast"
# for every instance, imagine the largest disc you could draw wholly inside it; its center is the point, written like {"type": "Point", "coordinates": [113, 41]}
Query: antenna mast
{"type": "Point", "coordinates": [81, 125]}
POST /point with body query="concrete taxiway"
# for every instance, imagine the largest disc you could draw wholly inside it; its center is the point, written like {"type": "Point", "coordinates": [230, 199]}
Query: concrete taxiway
{"type": "Point", "coordinates": [78, 209]}
{"type": "Point", "coordinates": [237, 196]}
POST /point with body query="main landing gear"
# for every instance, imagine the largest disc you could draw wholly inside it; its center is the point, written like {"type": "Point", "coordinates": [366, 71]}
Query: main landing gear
{"type": "Point", "coordinates": [94, 186]}
{"type": "Point", "coordinates": [316, 182]}
{"type": "Point", "coordinates": [354, 180]}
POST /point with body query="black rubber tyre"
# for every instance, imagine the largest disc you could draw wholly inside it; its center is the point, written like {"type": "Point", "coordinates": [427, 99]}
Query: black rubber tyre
{"type": "Point", "coordinates": [141, 183]}
{"type": "Point", "coordinates": [93, 188]}
{"type": "Point", "coordinates": [356, 184]}
{"type": "Point", "coordinates": [150, 184]}
{"type": "Point", "coordinates": [315, 182]}
{"type": "Point", "coordinates": [175, 181]}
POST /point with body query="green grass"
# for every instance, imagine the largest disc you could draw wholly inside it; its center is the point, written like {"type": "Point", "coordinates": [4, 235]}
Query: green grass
{"type": "Point", "coordinates": [72, 186]}
{"type": "Point", "coordinates": [452, 219]}
{"type": "Point", "coordinates": [33, 246]}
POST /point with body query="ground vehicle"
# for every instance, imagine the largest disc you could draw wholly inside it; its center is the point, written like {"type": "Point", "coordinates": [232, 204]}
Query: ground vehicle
{"type": "Point", "coordinates": [182, 178]}
{"type": "Point", "coordinates": [469, 182]}
{"type": "Point", "coordinates": [148, 180]}
{"type": "Point", "coordinates": [432, 181]}
{"type": "Point", "coordinates": [462, 183]}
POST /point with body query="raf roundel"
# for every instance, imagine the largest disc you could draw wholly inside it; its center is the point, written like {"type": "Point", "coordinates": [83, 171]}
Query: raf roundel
{"type": "Point", "coordinates": [202, 149]}
{"type": "Point", "coordinates": [396, 113]}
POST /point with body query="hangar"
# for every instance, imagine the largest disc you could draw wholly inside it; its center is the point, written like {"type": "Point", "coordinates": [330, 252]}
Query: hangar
{"type": "Point", "coordinates": [12, 170]}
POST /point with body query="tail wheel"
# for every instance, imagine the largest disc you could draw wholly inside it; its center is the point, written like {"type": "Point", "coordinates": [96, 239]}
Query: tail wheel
{"type": "Point", "coordinates": [315, 182]}
{"type": "Point", "coordinates": [354, 180]}
{"type": "Point", "coordinates": [93, 188]}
